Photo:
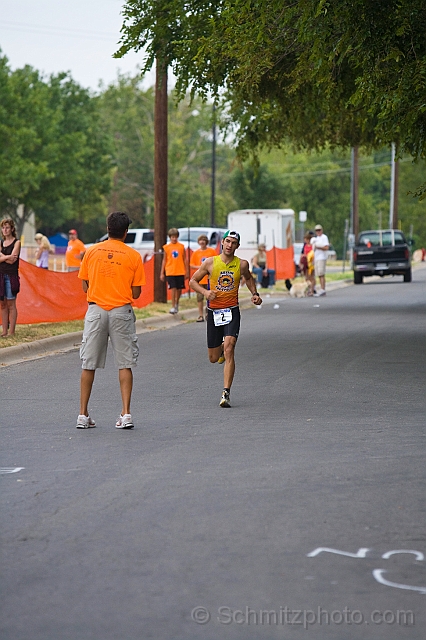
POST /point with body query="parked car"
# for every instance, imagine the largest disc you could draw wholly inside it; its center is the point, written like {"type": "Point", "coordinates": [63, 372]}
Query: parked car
{"type": "Point", "coordinates": [381, 253]}
{"type": "Point", "coordinates": [189, 235]}
{"type": "Point", "coordinates": [140, 239]}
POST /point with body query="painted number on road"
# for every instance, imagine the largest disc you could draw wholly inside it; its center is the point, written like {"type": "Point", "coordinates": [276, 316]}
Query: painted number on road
{"type": "Point", "coordinates": [378, 574]}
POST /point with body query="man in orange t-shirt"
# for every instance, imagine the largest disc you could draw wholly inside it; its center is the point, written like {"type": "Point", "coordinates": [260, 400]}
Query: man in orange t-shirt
{"type": "Point", "coordinates": [174, 268]}
{"type": "Point", "coordinates": [75, 251]}
{"type": "Point", "coordinates": [197, 260]}
{"type": "Point", "coordinates": [112, 275]}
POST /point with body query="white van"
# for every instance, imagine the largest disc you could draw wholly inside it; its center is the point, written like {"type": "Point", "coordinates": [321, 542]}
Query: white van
{"type": "Point", "coordinates": [189, 236]}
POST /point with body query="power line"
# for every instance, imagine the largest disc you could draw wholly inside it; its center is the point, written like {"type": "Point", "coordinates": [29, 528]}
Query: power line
{"type": "Point", "coordinates": [58, 31]}
{"type": "Point", "coordinates": [379, 157]}
{"type": "Point", "coordinates": [345, 170]}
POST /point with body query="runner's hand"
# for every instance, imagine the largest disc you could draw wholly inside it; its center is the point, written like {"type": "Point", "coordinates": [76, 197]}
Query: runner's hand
{"type": "Point", "coordinates": [211, 294]}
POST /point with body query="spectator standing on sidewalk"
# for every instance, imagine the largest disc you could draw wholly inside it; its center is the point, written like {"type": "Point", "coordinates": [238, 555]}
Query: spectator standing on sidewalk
{"type": "Point", "coordinates": [197, 260]}
{"type": "Point", "coordinates": [43, 250]}
{"type": "Point", "coordinates": [10, 248]}
{"type": "Point", "coordinates": [75, 251]}
{"type": "Point", "coordinates": [174, 268]}
{"type": "Point", "coordinates": [321, 246]}
{"type": "Point", "coordinates": [112, 275]}
{"type": "Point", "coordinates": [306, 262]}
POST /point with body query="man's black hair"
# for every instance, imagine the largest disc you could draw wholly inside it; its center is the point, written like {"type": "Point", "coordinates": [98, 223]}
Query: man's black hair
{"type": "Point", "coordinates": [117, 223]}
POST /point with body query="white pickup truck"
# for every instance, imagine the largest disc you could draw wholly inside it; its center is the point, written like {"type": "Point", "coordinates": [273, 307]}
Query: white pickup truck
{"type": "Point", "coordinates": [140, 239]}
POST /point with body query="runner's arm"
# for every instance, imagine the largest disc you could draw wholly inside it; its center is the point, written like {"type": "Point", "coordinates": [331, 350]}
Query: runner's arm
{"type": "Point", "coordinates": [250, 282]}
{"type": "Point", "coordinates": [204, 270]}
{"type": "Point", "coordinates": [136, 292]}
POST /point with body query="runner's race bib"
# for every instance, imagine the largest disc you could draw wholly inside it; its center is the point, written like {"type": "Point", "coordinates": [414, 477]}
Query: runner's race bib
{"type": "Point", "coordinates": [222, 316]}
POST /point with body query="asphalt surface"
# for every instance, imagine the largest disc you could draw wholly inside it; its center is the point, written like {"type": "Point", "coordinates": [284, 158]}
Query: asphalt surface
{"type": "Point", "coordinates": [305, 500]}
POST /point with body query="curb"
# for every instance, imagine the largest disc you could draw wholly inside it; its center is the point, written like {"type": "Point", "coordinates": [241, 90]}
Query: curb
{"type": "Point", "coordinates": [69, 341]}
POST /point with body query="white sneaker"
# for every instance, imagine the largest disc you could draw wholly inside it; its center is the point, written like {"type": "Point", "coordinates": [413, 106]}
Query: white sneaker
{"type": "Point", "coordinates": [85, 422]}
{"type": "Point", "coordinates": [319, 293]}
{"type": "Point", "coordinates": [173, 310]}
{"type": "Point", "coordinates": [124, 422]}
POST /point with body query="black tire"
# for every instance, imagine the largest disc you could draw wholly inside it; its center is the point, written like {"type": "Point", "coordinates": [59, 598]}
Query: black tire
{"type": "Point", "coordinates": [357, 277]}
{"type": "Point", "coordinates": [407, 276]}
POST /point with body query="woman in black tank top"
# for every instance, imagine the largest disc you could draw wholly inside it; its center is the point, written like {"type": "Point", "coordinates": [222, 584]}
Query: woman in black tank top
{"type": "Point", "coordinates": [9, 279]}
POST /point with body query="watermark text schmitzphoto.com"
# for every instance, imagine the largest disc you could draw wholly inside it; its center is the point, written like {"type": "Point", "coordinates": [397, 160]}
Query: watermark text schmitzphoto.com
{"type": "Point", "coordinates": [284, 616]}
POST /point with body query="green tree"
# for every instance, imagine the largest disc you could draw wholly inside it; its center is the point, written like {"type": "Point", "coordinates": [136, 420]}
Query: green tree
{"type": "Point", "coordinates": [319, 183]}
{"type": "Point", "coordinates": [55, 158]}
{"type": "Point", "coordinates": [127, 114]}
{"type": "Point", "coordinates": [313, 71]}
{"type": "Point", "coordinates": [190, 162]}
{"type": "Point", "coordinates": [257, 188]}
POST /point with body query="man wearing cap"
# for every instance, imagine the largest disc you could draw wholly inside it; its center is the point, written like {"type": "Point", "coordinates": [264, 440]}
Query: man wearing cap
{"type": "Point", "coordinates": [321, 246]}
{"type": "Point", "coordinates": [75, 251]}
{"type": "Point", "coordinates": [223, 320]}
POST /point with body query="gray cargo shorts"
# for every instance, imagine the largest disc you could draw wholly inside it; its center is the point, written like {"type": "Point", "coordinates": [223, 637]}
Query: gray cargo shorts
{"type": "Point", "coordinates": [119, 326]}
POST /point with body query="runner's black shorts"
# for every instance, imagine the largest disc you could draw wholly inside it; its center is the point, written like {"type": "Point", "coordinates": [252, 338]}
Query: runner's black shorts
{"type": "Point", "coordinates": [176, 282]}
{"type": "Point", "coordinates": [215, 335]}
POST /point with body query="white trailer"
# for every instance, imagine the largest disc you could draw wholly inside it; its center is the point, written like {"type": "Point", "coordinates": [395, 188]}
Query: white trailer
{"type": "Point", "coordinates": [273, 227]}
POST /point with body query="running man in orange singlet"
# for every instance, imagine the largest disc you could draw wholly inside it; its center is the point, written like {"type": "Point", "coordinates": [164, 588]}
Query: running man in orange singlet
{"type": "Point", "coordinates": [223, 321]}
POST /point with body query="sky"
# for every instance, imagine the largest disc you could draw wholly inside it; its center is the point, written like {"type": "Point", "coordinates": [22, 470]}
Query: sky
{"type": "Point", "coordinates": [79, 36]}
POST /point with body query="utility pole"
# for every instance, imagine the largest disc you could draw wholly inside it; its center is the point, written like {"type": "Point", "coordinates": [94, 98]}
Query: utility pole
{"type": "Point", "coordinates": [393, 207]}
{"type": "Point", "coordinates": [354, 226]}
{"type": "Point", "coordinates": [213, 196]}
{"type": "Point", "coordinates": [160, 177]}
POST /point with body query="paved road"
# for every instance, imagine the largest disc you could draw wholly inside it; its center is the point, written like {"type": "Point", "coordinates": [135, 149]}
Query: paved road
{"type": "Point", "coordinates": [112, 535]}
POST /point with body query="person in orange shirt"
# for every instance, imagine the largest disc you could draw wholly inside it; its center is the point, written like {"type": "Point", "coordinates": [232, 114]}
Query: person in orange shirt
{"type": "Point", "coordinates": [197, 260]}
{"type": "Point", "coordinates": [112, 275]}
{"type": "Point", "coordinates": [75, 251]}
{"type": "Point", "coordinates": [174, 268]}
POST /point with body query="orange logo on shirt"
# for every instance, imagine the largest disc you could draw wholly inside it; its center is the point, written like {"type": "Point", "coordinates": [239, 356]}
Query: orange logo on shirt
{"type": "Point", "coordinates": [225, 281]}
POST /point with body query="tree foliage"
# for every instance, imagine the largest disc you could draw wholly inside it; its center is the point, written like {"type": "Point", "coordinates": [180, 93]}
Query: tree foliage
{"type": "Point", "coordinates": [55, 158]}
{"type": "Point", "coordinates": [257, 188]}
{"type": "Point", "coordinates": [127, 114]}
{"type": "Point", "coordinates": [313, 71]}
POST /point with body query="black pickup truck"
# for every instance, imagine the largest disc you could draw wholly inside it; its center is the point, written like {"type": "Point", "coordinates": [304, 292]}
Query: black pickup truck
{"type": "Point", "coordinates": [381, 253]}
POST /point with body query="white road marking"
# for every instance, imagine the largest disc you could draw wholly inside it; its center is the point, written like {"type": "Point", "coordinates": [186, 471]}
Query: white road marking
{"type": "Point", "coordinates": [361, 553]}
{"type": "Point", "coordinates": [419, 555]}
{"type": "Point", "coordinates": [378, 574]}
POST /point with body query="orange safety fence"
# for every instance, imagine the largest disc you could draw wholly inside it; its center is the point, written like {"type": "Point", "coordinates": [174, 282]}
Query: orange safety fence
{"type": "Point", "coordinates": [282, 261]}
{"type": "Point", "coordinates": [49, 296]}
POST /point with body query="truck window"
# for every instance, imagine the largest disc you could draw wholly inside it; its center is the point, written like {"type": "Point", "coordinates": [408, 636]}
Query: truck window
{"type": "Point", "coordinates": [148, 236]}
{"type": "Point", "coordinates": [371, 239]}
{"type": "Point", "coordinates": [130, 238]}
{"type": "Point", "coordinates": [387, 238]}
{"type": "Point", "coordinates": [399, 238]}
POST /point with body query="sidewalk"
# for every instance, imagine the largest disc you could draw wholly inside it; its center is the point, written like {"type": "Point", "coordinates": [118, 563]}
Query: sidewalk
{"type": "Point", "coordinates": [71, 341]}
